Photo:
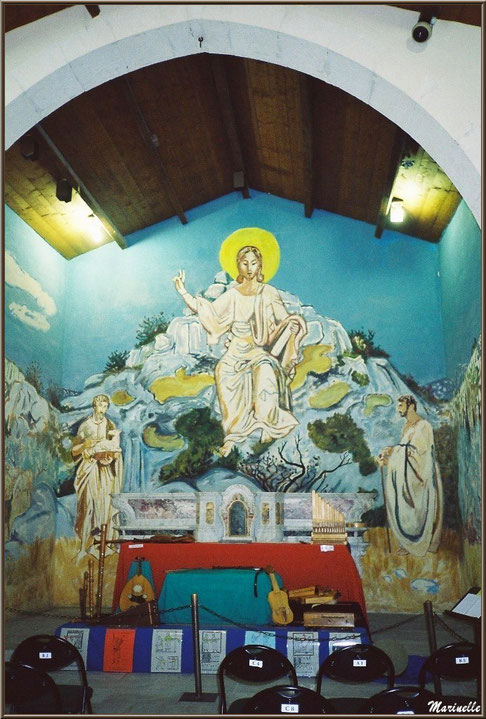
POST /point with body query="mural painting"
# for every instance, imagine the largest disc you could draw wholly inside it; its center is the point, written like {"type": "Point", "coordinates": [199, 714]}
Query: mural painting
{"type": "Point", "coordinates": [247, 386]}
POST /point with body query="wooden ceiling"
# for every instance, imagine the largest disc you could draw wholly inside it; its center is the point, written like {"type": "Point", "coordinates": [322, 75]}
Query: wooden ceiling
{"type": "Point", "coordinates": [160, 141]}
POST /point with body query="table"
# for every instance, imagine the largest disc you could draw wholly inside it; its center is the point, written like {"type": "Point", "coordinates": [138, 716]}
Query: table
{"type": "Point", "coordinates": [299, 565]}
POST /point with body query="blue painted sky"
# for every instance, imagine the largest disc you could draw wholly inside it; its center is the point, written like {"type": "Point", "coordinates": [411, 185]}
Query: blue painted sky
{"type": "Point", "coordinates": [391, 285]}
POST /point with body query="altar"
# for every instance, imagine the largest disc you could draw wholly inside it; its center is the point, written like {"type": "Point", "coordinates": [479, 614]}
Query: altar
{"type": "Point", "coordinates": [298, 565]}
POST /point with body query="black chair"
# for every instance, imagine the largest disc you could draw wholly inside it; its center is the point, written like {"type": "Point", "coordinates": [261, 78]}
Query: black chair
{"type": "Point", "coordinates": [400, 700]}
{"type": "Point", "coordinates": [253, 663]}
{"type": "Point", "coordinates": [356, 664]}
{"type": "Point", "coordinates": [22, 680]}
{"type": "Point", "coordinates": [288, 700]}
{"type": "Point", "coordinates": [49, 653]}
{"type": "Point", "coordinates": [460, 661]}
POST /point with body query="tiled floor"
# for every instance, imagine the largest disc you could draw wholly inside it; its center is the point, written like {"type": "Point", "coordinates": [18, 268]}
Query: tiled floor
{"type": "Point", "coordinates": [159, 694]}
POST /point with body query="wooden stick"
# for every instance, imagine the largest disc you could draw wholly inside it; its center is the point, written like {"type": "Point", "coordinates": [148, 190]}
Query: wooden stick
{"type": "Point", "coordinates": [90, 586]}
{"type": "Point", "coordinates": [101, 569]}
{"type": "Point", "coordinates": [83, 592]}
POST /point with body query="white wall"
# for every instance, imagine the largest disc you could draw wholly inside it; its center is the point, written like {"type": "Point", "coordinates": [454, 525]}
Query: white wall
{"type": "Point", "coordinates": [433, 91]}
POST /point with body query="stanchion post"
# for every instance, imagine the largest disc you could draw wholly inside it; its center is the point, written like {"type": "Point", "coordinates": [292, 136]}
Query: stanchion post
{"type": "Point", "coordinates": [429, 623]}
{"type": "Point", "coordinates": [198, 695]}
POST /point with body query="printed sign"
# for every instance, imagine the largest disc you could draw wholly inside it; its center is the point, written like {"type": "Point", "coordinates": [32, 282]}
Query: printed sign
{"type": "Point", "coordinates": [255, 663]}
{"type": "Point", "coordinates": [359, 662]}
{"type": "Point", "coordinates": [289, 708]}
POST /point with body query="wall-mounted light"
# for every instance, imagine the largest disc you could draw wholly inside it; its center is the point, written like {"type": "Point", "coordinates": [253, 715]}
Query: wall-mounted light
{"type": "Point", "coordinates": [397, 213]}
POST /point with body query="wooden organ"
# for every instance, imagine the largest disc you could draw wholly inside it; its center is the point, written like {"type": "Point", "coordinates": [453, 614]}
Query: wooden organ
{"type": "Point", "coordinates": [328, 523]}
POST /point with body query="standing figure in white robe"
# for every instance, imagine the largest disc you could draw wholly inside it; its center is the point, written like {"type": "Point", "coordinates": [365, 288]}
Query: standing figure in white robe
{"type": "Point", "coordinates": [413, 487]}
{"type": "Point", "coordinates": [253, 376]}
{"type": "Point", "coordinates": [99, 474]}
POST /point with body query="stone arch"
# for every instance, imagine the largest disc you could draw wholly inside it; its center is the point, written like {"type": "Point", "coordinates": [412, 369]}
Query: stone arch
{"type": "Point", "coordinates": [364, 49]}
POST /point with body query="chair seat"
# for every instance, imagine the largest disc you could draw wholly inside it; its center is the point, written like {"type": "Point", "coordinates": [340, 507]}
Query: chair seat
{"type": "Point", "coordinates": [237, 706]}
{"type": "Point", "coordinates": [71, 699]}
{"type": "Point", "coordinates": [347, 705]}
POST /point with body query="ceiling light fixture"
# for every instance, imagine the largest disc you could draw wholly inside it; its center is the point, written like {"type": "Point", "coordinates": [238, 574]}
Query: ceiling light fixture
{"type": "Point", "coordinates": [97, 229]}
{"type": "Point", "coordinates": [397, 213]}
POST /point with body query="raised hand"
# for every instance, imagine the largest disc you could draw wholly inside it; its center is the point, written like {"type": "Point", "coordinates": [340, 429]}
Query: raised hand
{"type": "Point", "coordinates": [179, 281]}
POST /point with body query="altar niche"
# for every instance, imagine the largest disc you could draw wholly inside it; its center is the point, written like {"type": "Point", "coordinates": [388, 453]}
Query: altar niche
{"type": "Point", "coordinates": [238, 513]}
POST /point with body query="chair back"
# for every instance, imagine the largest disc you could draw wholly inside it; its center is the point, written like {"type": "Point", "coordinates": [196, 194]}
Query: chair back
{"type": "Point", "coordinates": [22, 680]}
{"type": "Point", "coordinates": [253, 663]}
{"type": "Point", "coordinates": [48, 653]}
{"type": "Point", "coordinates": [285, 699]}
{"type": "Point", "coordinates": [400, 700]}
{"type": "Point", "coordinates": [459, 661]}
{"type": "Point", "coordinates": [358, 663]}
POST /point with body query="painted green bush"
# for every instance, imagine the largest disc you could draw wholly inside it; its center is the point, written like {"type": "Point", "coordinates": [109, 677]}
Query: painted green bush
{"type": "Point", "coordinates": [339, 434]}
{"type": "Point", "coordinates": [363, 345]}
{"type": "Point", "coordinates": [150, 327]}
{"type": "Point", "coordinates": [204, 435]}
{"type": "Point", "coordinates": [360, 378]}
{"type": "Point", "coordinates": [116, 360]}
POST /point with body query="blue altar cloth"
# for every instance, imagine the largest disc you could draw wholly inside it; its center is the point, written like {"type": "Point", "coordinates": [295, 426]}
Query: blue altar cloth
{"type": "Point", "coordinates": [222, 591]}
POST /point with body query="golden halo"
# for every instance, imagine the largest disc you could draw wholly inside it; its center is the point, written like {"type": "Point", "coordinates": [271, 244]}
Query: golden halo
{"type": "Point", "coordinates": [261, 239]}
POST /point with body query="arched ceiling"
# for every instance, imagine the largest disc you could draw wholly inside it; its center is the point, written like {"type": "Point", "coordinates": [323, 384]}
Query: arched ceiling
{"type": "Point", "coordinates": [168, 137]}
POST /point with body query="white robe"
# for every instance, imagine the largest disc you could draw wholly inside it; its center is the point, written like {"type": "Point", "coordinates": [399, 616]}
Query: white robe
{"type": "Point", "coordinates": [413, 491]}
{"type": "Point", "coordinates": [94, 483]}
{"type": "Point", "coordinates": [251, 382]}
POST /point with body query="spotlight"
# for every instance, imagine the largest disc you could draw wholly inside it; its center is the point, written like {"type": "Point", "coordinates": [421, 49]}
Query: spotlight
{"type": "Point", "coordinates": [422, 30]}
{"type": "Point", "coordinates": [64, 190]}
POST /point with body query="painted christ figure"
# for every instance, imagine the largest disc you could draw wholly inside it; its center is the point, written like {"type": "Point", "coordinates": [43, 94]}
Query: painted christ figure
{"type": "Point", "coordinates": [254, 374]}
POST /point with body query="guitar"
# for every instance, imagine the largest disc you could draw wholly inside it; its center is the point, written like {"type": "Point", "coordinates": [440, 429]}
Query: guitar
{"type": "Point", "coordinates": [137, 590]}
{"type": "Point", "coordinates": [279, 601]}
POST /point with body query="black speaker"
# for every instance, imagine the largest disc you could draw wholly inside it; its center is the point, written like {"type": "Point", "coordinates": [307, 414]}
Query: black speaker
{"type": "Point", "coordinates": [64, 190]}
{"type": "Point", "coordinates": [29, 148]}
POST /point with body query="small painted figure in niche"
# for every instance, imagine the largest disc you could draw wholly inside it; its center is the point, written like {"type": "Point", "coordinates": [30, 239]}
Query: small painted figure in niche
{"type": "Point", "coordinates": [254, 374]}
{"type": "Point", "coordinates": [99, 474]}
{"type": "Point", "coordinates": [413, 486]}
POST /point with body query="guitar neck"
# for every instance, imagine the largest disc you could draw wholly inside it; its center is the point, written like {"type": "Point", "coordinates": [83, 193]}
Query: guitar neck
{"type": "Point", "coordinates": [275, 586]}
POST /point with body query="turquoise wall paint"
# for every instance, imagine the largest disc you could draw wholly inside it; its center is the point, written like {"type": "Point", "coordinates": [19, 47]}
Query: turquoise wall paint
{"type": "Point", "coordinates": [35, 289]}
{"type": "Point", "coordinates": [389, 285]}
{"type": "Point", "coordinates": [460, 282]}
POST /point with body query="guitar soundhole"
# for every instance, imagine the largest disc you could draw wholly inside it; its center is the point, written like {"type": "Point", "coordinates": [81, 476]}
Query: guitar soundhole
{"type": "Point", "coordinates": [237, 519]}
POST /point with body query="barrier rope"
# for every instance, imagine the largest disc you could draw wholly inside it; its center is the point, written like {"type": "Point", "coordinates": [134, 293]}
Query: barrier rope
{"type": "Point", "coordinates": [226, 620]}
{"type": "Point", "coordinates": [449, 629]}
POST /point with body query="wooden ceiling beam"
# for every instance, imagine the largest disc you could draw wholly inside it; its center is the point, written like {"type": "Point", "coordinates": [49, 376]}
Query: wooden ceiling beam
{"type": "Point", "coordinates": [87, 196]}
{"type": "Point", "coordinates": [152, 142]}
{"type": "Point", "coordinates": [240, 180]}
{"type": "Point", "coordinates": [305, 87]}
{"type": "Point", "coordinates": [396, 154]}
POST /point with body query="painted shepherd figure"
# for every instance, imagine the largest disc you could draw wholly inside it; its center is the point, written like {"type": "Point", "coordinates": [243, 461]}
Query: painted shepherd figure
{"type": "Point", "coordinates": [99, 474]}
{"type": "Point", "coordinates": [254, 374]}
{"type": "Point", "coordinates": [413, 487]}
